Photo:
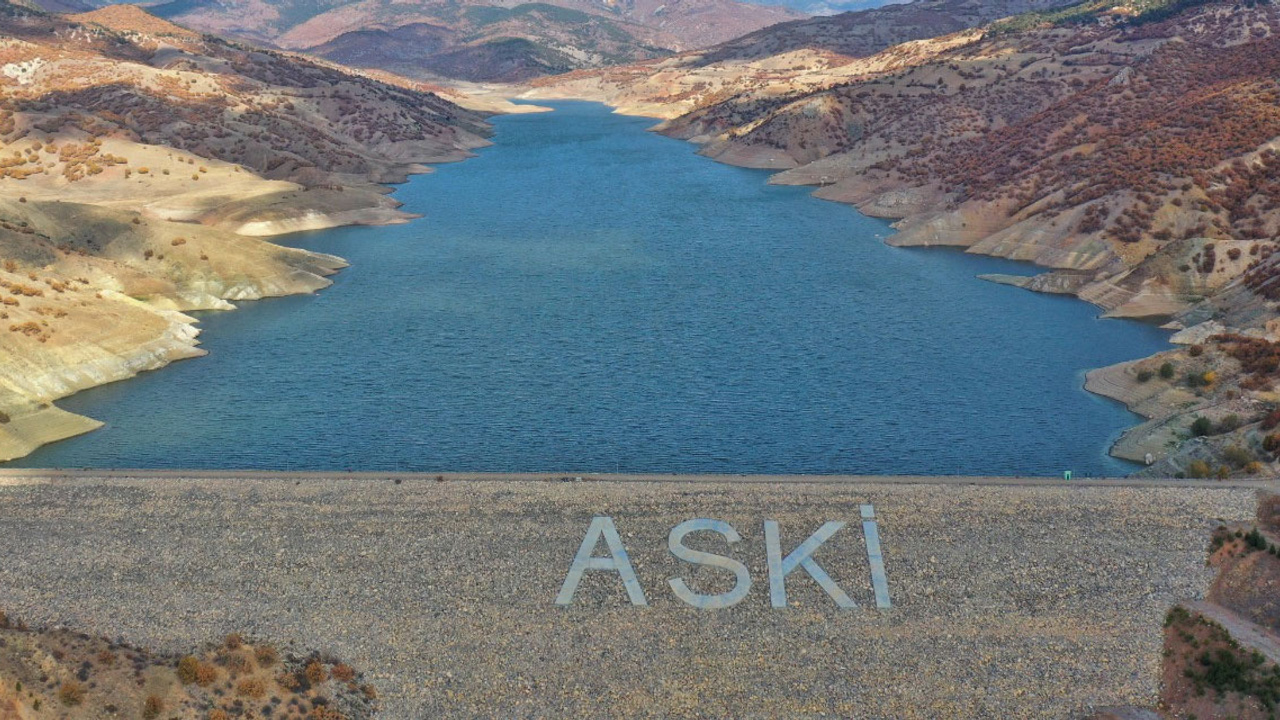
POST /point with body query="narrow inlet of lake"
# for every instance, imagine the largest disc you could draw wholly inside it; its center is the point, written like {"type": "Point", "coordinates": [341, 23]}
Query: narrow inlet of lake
{"type": "Point", "coordinates": [589, 296]}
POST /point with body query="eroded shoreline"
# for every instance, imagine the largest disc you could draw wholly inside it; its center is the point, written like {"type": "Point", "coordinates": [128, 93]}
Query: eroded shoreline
{"type": "Point", "coordinates": [167, 333]}
{"type": "Point", "coordinates": [1150, 435]}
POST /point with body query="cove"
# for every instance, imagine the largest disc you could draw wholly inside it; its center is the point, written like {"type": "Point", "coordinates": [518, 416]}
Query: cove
{"type": "Point", "coordinates": [587, 296]}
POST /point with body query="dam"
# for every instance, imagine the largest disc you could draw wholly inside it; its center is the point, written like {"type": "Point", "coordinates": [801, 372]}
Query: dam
{"type": "Point", "coordinates": [1009, 599]}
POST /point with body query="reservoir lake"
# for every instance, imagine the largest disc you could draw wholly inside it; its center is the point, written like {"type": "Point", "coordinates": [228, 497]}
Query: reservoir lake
{"type": "Point", "coordinates": [588, 296]}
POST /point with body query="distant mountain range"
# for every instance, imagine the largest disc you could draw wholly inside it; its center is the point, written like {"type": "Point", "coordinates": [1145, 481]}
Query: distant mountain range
{"type": "Point", "coordinates": [830, 7]}
{"type": "Point", "coordinates": [477, 40]}
{"type": "Point", "coordinates": [483, 40]}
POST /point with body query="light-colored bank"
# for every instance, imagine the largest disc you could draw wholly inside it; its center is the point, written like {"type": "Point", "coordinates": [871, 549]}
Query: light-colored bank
{"type": "Point", "coordinates": [1009, 597]}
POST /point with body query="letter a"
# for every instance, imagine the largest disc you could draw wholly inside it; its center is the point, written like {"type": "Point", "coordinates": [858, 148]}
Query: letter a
{"type": "Point", "coordinates": [617, 561]}
{"type": "Point", "coordinates": [780, 568]}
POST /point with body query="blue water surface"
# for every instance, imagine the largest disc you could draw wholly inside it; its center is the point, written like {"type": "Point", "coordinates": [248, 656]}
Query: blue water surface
{"type": "Point", "coordinates": [588, 296]}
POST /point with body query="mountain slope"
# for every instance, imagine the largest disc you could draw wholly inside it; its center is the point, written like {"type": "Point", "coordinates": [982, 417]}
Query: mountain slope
{"type": "Point", "coordinates": [809, 53]}
{"type": "Point", "coordinates": [859, 34]}
{"type": "Point", "coordinates": [142, 163]}
{"type": "Point", "coordinates": [1133, 147]}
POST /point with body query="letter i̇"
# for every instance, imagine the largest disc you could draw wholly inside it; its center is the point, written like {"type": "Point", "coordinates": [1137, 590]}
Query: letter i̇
{"type": "Point", "coordinates": [879, 582]}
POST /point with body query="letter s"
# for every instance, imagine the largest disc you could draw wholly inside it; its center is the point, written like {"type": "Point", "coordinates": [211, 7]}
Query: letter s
{"type": "Point", "coordinates": [708, 602]}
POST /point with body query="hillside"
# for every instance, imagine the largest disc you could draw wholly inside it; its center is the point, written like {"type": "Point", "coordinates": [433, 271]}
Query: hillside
{"type": "Point", "coordinates": [785, 58]}
{"type": "Point", "coordinates": [48, 673]}
{"type": "Point", "coordinates": [142, 163]}
{"type": "Point", "coordinates": [494, 43]}
{"type": "Point", "coordinates": [858, 34]}
{"type": "Point", "coordinates": [481, 40]}
{"type": "Point", "coordinates": [1130, 147]}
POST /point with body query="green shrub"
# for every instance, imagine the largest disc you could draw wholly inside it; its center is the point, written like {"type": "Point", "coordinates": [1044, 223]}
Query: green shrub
{"type": "Point", "coordinates": [1166, 371]}
{"type": "Point", "coordinates": [1176, 615]}
{"type": "Point", "coordinates": [1271, 443]}
{"type": "Point", "coordinates": [1145, 375]}
{"type": "Point", "coordinates": [1237, 456]}
{"type": "Point", "coordinates": [1201, 426]}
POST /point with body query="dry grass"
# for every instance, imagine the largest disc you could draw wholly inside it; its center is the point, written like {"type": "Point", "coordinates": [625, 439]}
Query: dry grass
{"type": "Point", "coordinates": [316, 673]}
{"type": "Point", "coordinates": [101, 678]}
{"type": "Point", "coordinates": [267, 656]}
{"type": "Point", "coordinates": [253, 687]}
{"type": "Point", "coordinates": [71, 693]}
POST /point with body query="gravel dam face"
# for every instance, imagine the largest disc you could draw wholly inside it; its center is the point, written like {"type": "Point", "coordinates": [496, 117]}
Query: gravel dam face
{"type": "Point", "coordinates": [1006, 601]}
{"type": "Point", "coordinates": [588, 296]}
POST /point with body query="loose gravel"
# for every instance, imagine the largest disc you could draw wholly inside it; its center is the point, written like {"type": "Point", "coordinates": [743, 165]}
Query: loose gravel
{"type": "Point", "coordinates": [1008, 601]}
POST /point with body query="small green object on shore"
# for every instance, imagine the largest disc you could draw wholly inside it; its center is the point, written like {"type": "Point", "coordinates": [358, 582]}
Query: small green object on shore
{"type": "Point", "coordinates": [1066, 475]}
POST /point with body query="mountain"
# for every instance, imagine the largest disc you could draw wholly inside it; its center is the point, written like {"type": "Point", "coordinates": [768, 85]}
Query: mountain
{"type": "Point", "coordinates": [143, 164]}
{"type": "Point", "coordinates": [829, 7]}
{"type": "Point", "coordinates": [479, 39]}
{"type": "Point", "coordinates": [57, 6]}
{"type": "Point", "coordinates": [815, 52]}
{"type": "Point", "coordinates": [493, 43]}
{"type": "Point", "coordinates": [1132, 147]}
{"type": "Point", "coordinates": [858, 34]}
